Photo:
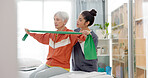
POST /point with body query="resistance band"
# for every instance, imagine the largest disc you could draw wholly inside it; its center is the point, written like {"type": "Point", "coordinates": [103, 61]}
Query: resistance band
{"type": "Point", "coordinates": [89, 46]}
{"type": "Point", "coordinates": [57, 32]}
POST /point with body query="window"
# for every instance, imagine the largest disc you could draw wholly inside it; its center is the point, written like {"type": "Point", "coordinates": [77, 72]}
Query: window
{"type": "Point", "coordinates": [37, 15]}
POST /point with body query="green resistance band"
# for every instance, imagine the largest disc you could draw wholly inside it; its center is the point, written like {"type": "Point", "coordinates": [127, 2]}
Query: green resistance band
{"type": "Point", "coordinates": [89, 46]}
{"type": "Point", "coordinates": [25, 36]}
{"type": "Point", "coordinates": [57, 32]}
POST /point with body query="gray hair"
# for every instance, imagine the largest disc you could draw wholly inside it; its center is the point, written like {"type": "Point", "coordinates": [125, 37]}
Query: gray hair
{"type": "Point", "coordinates": [63, 15]}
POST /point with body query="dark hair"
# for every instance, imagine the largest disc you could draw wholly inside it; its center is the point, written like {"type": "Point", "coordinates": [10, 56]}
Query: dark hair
{"type": "Point", "coordinates": [89, 16]}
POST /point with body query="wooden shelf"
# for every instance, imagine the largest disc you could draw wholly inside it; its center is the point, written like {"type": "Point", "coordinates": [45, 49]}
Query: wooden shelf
{"type": "Point", "coordinates": [138, 19]}
{"type": "Point", "coordinates": [119, 38]}
{"type": "Point", "coordinates": [115, 38]}
{"type": "Point", "coordinates": [118, 26]}
{"type": "Point", "coordinates": [103, 55]}
{"type": "Point", "coordinates": [118, 55]}
{"type": "Point", "coordinates": [114, 43]}
{"type": "Point", "coordinates": [103, 39]}
{"type": "Point", "coordinates": [140, 67]}
{"type": "Point", "coordinates": [122, 61]}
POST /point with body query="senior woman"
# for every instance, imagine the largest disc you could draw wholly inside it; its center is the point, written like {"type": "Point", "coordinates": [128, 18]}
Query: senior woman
{"type": "Point", "coordinates": [60, 48]}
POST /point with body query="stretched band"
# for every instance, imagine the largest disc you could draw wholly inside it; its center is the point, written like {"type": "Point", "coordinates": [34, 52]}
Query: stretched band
{"type": "Point", "coordinates": [57, 32]}
{"type": "Point", "coordinates": [89, 46]}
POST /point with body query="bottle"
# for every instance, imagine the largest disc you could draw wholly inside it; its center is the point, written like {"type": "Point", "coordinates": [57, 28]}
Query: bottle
{"type": "Point", "coordinates": [102, 50]}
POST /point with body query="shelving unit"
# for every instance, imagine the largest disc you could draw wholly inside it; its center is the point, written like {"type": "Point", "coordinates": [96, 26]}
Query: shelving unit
{"type": "Point", "coordinates": [140, 47]}
{"type": "Point", "coordinates": [119, 57]}
{"type": "Point", "coordinates": [119, 19]}
{"type": "Point", "coordinates": [140, 41]}
{"type": "Point", "coordinates": [103, 55]}
{"type": "Point", "coordinates": [120, 42]}
{"type": "Point", "coordinates": [103, 43]}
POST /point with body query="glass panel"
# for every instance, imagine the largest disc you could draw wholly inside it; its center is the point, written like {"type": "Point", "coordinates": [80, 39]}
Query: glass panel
{"type": "Point", "coordinates": [118, 17]}
{"type": "Point", "coordinates": [49, 12]}
{"type": "Point", "coordinates": [29, 15]}
{"type": "Point", "coordinates": [140, 16]}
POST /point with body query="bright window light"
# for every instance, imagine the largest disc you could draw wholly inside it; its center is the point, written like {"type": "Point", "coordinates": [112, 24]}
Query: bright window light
{"type": "Point", "coordinates": [50, 8]}
{"type": "Point", "coordinates": [37, 15]}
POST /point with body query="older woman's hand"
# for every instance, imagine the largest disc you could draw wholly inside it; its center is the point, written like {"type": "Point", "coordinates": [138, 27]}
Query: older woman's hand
{"type": "Point", "coordinates": [26, 30]}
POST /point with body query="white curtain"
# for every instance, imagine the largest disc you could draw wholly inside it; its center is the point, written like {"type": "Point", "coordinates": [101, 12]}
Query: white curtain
{"type": "Point", "coordinates": [82, 5]}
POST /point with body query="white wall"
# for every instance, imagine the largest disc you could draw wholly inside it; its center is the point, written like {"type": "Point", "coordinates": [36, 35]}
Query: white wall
{"type": "Point", "coordinates": [145, 25]}
{"type": "Point", "coordinates": [8, 49]}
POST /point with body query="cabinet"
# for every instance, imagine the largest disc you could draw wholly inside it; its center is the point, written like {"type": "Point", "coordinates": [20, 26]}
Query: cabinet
{"type": "Point", "coordinates": [119, 19]}
{"type": "Point", "coordinates": [120, 42]}
{"type": "Point", "coordinates": [103, 52]}
{"type": "Point", "coordinates": [140, 41]}
{"type": "Point", "coordinates": [120, 58]}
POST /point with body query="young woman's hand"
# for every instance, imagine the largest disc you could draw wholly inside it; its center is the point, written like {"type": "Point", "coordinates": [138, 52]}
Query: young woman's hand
{"type": "Point", "coordinates": [26, 30]}
{"type": "Point", "coordinates": [85, 32]}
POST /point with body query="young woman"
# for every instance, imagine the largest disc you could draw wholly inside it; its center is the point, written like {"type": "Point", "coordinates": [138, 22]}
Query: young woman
{"type": "Point", "coordinates": [60, 48]}
{"type": "Point", "coordinates": [79, 63]}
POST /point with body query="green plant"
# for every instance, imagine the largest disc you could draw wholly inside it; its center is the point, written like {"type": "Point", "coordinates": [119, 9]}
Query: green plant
{"type": "Point", "coordinates": [105, 27]}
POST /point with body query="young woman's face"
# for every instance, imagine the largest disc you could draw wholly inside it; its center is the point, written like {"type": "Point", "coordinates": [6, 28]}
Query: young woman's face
{"type": "Point", "coordinates": [59, 23]}
{"type": "Point", "coordinates": [81, 22]}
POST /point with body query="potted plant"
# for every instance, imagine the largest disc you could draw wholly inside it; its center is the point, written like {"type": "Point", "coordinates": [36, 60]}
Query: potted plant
{"type": "Point", "coordinates": [104, 29]}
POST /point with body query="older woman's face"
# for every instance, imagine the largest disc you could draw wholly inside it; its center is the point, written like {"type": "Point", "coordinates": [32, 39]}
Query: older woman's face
{"type": "Point", "coordinates": [59, 23]}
